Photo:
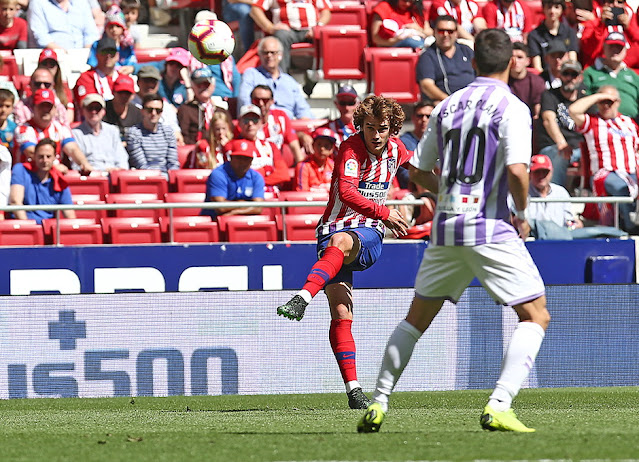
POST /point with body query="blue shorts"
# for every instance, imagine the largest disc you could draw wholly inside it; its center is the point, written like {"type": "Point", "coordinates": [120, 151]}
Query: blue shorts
{"type": "Point", "coordinates": [370, 248]}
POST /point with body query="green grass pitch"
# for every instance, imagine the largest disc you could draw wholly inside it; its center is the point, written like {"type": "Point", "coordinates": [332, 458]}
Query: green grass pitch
{"type": "Point", "coordinates": [572, 424]}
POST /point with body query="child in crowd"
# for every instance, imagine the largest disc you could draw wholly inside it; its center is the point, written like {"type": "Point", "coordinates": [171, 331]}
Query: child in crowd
{"type": "Point", "coordinates": [115, 27]}
{"type": "Point", "coordinates": [131, 10]}
{"type": "Point", "coordinates": [13, 30]}
{"type": "Point", "coordinates": [315, 173]}
{"type": "Point", "coordinates": [210, 153]}
{"type": "Point", "coordinates": [7, 125]}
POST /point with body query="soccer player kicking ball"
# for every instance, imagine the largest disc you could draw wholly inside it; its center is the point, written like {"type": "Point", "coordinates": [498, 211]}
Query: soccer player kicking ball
{"type": "Point", "coordinates": [482, 137]}
{"type": "Point", "coordinates": [352, 227]}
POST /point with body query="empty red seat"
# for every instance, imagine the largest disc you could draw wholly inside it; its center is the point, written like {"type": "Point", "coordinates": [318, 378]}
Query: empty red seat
{"type": "Point", "coordinates": [299, 227]}
{"type": "Point", "coordinates": [92, 184]}
{"type": "Point", "coordinates": [139, 181]}
{"type": "Point", "coordinates": [247, 228]}
{"type": "Point", "coordinates": [132, 198]}
{"type": "Point", "coordinates": [391, 73]}
{"type": "Point", "coordinates": [72, 231]}
{"type": "Point", "coordinates": [306, 196]}
{"type": "Point", "coordinates": [196, 198]}
{"type": "Point", "coordinates": [20, 233]}
{"type": "Point", "coordinates": [183, 154]}
{"type": "Point", "coordinates": [190, 229]}
{"type": "Point", "coordinates": [342, 51]}
{"type": "Point", "coordinates": [348, 13]}
{"type": "Point", "coordinates": [89, 199]}
{"type": "Point", "coordinates": [9, 67]}
{"type": "Point", "coordinates": [189, 180]}
{"type": "Point", "coordinates": [131, 230]}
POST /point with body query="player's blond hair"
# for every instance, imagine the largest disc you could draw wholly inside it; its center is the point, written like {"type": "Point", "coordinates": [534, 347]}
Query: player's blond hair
{"type": "Point", "coordinates": [380, 108]}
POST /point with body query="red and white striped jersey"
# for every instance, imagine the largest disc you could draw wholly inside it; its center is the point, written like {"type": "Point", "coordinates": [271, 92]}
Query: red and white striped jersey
{"type": "Point", "coordinates": [28, 134]}
{"type": "Point", "coordinates": [465, 13]}
{"type": "Point", "coordinates": [297, 14]}
{"type": "Point", "coordinates": [515, 19]}
{"type": "Point", "coordinates": [277, 129]}
{"type": "Point", "coordinates": [612, 144]}
{"type": "Point", "coordinates": [360, 186]}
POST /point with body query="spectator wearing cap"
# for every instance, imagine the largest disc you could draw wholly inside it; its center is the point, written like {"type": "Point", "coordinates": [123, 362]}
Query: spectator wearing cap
{"type": "Point", "coordinates": [267, 159]}
{"type": "Point", "coordinates": [541, 185]}
{"type": "Point", "coordinates": [40, 79]}
{"type": "Point", "coordinates": [120, 111]}
{"type": "Point", "coordinates": [286, 90]}
{"type": "Point", "coordinates": [315, 173]}
{"type": "Point", "coordinates": [513, 16]}
{"type": "Point", "coordinates": [345, 101]}
{"type": "Point", "coordinates": [399, 24]}
{"type": "Point", "coordinates": [151, 144]}
{"type": "Point", "coordinates": [194, 116]}
{"type": "Point", "coordinates": [557, 137]}
{"type": "Point", "coordinates": [39, 182]}
{"type": "Point", "coordinates": [556, 55]}
{"type": "Point", "coordinates": [99, 79]}
{"type": "Point", "coordinates": [552, 28]}
{"type": "Point", "coordinates": [235, 180]}
{"type": "Point", "coordinates": [446, 66]}
{"type": "Point", "coordinates": [527, 86]}
{"type": "Point", "coordinates": [149, 78]}
{"type": "Point", "coordinates": [613, 141]}
{"type": "Point", "coordinates": [43, 125]}
{"type": "Point", "coordinates": [610, 69]}
{"type": "Point", "coordinates": [276, 125]}
{"type": "Point", "coordinates": [115, 27]}
{"type": "Point", "coordinates": [49, 58]}
{"type": "Point", "coordinates": [61, 24]}
{"type": "Point", "coordinates": [175, 81]}
{"type": "Point", "coordinates": [606, 17]}
{"type": "Point", "coordinates": [13, 29]}
{"type": "Point", "coordinates": [100, 141]}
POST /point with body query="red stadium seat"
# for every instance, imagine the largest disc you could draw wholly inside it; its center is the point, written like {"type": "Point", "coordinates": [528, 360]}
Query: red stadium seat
{"type": "Point", "coordinates": [131, 230]}
{"type": "Point", "coordinates": [146, 55]}
{"type": "Point", "coordinates": [308, 196]}
{"type": "Point", "coordinates": [132, 198]}
{"type": "Point", "coordinates": [89, 199]}
{"type": "Point", "coordinates": [20, 233]}
{"type": "Point", "coordinates": [196, 198]}
{"type": "Point", "coordinates": [92, 184]}
{"type": "Point", "coordinates": [183, 154]}
{"type": "Point", "coordinates": [391, 73]}
{"type": "Point", "coordinates": [247, 228]}
{"type": "Point", "coordinates": [73, 231]}
{"type": "Point", "coordinates": [342, 52]}
{"type": "Point", "coordinates": [190, 229]}
{"type": "Point", "coordinates": [189, 180]}
{"type": "Point", "coordinates": [348, 13]}
{"type": "Point", "coordinates": [307, 125]}
{"type": "Point", "coordinates": [299, 227]}
{"type": "Point", "coordinates": [139, 181]}
{"type": "Point", "coordinates": [10, 67]}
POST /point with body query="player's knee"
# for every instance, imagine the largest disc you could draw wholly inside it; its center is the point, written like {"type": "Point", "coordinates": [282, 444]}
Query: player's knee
{"type": "Point", "coordinates": [342, 241]}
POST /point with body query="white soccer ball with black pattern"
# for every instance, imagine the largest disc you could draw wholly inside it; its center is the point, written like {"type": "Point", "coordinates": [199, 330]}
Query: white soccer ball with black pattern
{"type": "Point", "coordinates": [211, 41]}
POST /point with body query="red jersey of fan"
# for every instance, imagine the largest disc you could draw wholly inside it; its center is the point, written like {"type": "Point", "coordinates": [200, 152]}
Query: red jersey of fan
{"type": "Point", "coordinates": [267, 160]}
{"type": "Point", "coordinates": [10, 36]}
{"type": "Point", "coordinates": [311, 177]}
{"type": "Point", "coordinates": [465, 13]}
{"type": "Point", "coordinates": [29, 134]}
{"type": "Point", "coordinates": [277, 129]}
{"type": "Point", "coordinates": [360, 186]}
{"type": "Point", "coordinates": [297, 14]}
{"type": "Point", "coordinates": [516, 19]}
{"type": "Point", "coordinates": [385, 11]}
{"type": "Point", "coordinates": [612, 144]}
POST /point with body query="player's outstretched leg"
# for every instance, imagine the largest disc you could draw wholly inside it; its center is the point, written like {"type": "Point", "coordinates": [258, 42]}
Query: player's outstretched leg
{"type": "Point", "coordinates": [372, 419]}
{"type": "Point", "coordinates": [505, 421]}
{"type": "Point", "coordinates": [323, 271]}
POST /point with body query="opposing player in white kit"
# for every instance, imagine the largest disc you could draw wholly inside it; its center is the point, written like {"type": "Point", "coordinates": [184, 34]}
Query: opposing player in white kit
{"type": "Point", "coordinates": [482, 137]}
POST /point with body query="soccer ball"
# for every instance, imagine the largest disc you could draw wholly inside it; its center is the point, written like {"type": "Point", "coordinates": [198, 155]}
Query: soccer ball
{"type": "Point", "coordinates": [211, 41]}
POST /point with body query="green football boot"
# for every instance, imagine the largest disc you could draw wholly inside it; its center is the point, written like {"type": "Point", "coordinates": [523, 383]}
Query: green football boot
{"type": "Point", "coordinates": [505, 421]}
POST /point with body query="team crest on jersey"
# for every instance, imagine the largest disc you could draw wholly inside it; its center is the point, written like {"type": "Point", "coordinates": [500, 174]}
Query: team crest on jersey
{"type": "Point", "coordinates": [392, 164]}
{"type": "Point", "coordinates": [350, 168]}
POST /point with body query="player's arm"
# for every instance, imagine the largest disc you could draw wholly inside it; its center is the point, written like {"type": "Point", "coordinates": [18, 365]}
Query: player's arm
{"type": "Point", "coordinates": [426, 179]}
{"type": "Point", "coordinates": [518, 186]}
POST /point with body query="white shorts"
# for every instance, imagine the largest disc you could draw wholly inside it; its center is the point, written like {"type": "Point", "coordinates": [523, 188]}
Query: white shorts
{"type": "Point", "coordinates": [505, 269]}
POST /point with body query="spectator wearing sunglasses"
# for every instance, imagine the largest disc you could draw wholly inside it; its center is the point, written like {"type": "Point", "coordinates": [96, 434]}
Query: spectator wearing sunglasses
{"type": "Point", "coordinates": [346, 101]}
{"type": "Point", "coordinates": [151, 144]}
{"type": "Point", "coordinates": [420, 118]}
{"type": "Point", "coordinates": [49, 58]}
{"type": "Point", "coordinates": [445, 66]}
{"type": "Point", "coordinates": [40, 79]}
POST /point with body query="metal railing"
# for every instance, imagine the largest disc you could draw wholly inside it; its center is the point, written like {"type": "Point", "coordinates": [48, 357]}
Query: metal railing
{"type": "Point", "coordinates": [283, 205]}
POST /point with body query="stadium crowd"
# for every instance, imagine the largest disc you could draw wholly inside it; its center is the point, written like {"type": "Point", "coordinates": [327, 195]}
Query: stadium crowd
{"type": "Point", "coordinates": [176, 113]}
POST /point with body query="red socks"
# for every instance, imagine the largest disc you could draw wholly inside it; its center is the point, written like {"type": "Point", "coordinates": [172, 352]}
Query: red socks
{"type": "Point", "coordinates": [324, 270]}
{"type": "Point", "coordinates": [343, 346]}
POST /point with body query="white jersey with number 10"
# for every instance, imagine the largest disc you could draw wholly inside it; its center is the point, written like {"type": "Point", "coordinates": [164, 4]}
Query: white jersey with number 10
{"type": "Point", "coordinates": [475, 133]}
